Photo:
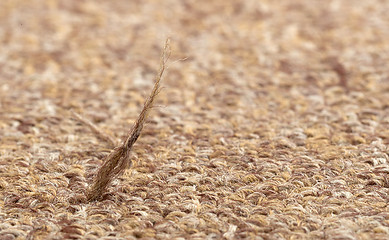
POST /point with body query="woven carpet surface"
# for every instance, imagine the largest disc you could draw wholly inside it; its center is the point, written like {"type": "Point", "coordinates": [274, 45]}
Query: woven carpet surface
{"type": "Point", "coordinates": [273, 120]}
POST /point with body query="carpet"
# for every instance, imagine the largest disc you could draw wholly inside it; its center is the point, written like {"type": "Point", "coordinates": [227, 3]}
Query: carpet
{"type": "Point", "coordinates": [272, 121]}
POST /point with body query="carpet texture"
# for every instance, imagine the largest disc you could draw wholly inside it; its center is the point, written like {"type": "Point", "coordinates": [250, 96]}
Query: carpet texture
{"type": "Point", "coordinates": [273, 120]}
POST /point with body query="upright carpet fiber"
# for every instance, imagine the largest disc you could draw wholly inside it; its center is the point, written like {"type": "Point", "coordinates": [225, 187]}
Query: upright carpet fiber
{"type": "Point", "coordinates": [272, 122]}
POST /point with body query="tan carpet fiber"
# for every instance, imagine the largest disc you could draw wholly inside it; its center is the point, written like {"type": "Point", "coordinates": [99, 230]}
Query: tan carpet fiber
{"type": "Point", "coordinates": [273, 120]}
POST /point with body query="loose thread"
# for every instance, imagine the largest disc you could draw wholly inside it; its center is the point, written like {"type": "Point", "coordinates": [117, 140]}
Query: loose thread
{"type": "Point", "coordinates": [118, 160]}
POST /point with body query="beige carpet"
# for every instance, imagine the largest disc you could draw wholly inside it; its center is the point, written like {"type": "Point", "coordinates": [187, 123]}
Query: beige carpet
{"type": "Point", "coordinates": [273, 120]}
